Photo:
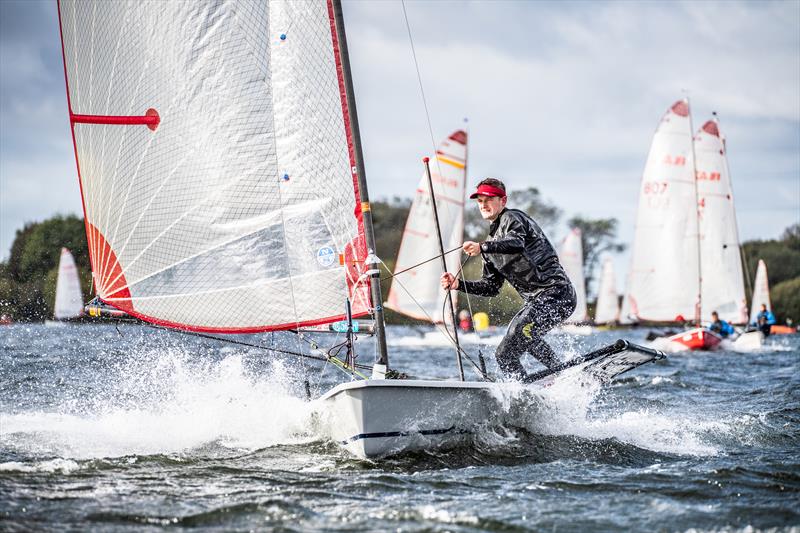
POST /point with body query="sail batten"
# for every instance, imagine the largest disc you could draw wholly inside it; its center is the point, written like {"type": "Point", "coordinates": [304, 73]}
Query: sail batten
{"type": "Point", "coordinates": [240, 210]}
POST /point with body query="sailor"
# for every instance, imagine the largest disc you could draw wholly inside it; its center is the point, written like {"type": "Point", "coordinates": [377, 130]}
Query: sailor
{"type": "Point", "coordinates": [764, 320]}
{"type": "Point", "coordinates": [518, 251]}
{"type": "Point", "coordinates": [720, 326]}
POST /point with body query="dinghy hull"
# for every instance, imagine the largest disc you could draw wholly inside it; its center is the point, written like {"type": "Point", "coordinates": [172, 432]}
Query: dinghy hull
{"type": "Point", "coordinates": [377, 418]}
{"type": "Point", "coordinates": [697, 339]}
{"type": "Point", "coordinates": [381, 417]}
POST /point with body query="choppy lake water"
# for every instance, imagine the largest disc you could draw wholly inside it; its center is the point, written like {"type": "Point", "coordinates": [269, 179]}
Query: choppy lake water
{"type": "Point", "coordinates": [140, 429]}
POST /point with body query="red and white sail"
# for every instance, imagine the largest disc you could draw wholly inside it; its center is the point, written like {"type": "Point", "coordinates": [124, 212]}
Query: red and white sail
{"type": "Point", "coordinates": [607, 298]}
{"type": "Point", "coordinates": [570, 253]}
{"type": "Point", "coordinates": [760, 291]}
{"type": "Point", "coordinates": [722, 281]}
{"type": "Point", "coordinates": [215, 160]}
{"type": "Point", "coordinates": [663, 279]}
{"type": "Point", "coordinates": [69, 300]}
{"type": "Point", "coordinates": [416, 292]}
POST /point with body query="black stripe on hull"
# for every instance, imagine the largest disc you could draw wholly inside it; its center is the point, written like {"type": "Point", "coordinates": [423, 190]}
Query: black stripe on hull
{"type": "Point", "coordinates": [385, 434]}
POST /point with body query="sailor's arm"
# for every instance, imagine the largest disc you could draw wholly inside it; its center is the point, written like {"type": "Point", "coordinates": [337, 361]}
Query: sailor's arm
{"type": "Point", "coordinates": [488, 285]}
{"type": "Point", "coordinates": [512, 242]}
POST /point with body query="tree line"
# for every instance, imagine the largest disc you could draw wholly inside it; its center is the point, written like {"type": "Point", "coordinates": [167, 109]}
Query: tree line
{"type": "Point", "coordinates": [28, 276]}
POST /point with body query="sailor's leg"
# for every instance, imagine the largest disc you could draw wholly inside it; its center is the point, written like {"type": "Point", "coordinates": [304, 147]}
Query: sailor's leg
{"type": "Point", "coordinates": [549, 309]}
{"type": "Point", "coordinates": [513, 345]}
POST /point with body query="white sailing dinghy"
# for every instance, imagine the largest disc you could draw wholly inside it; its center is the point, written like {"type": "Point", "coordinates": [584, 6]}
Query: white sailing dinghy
{"type": "Point", "coordinates": [69, 300]}
{"type": "Point", "coordinates": [685, 262]}
{"type": "Point", "coordinates": [415, 290]}
{"type": "Point", "coordinates": [760, 292]}
{"type": "Point", "coordinates": [607, 311]}
{"type": "Point", "coordinates": [421, 296]}
{"type": "Point", "coordinates": [570, 254]}
{"type": "Point", "coordinates": [224, 191]}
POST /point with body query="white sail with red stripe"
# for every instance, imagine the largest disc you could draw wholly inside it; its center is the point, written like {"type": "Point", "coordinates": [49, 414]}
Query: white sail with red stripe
{"type": "Point", "coordinates": [721, 262]}
{"type": "Point", "coordinates": [69, 300]}
{"type": "Point", "coordinates": [607, 310]}
{"type": "Point", "coordinates": [416, 292]}
{"type": "Point", "coordinates": [663, 282]}
{"type": "Point", "coordinates": [215, 160]}
{"type": "Point", "coordinates": [760, 292]}
{"type": "Point", "coordinates": [570, 253]}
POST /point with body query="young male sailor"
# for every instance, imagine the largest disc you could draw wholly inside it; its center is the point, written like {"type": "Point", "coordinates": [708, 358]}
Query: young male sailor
{"type": "Point", "coordinates": [764, 320]}
{"type": "Point", "coordinates": [720, 326]}
{"type": "Point", "coordinates": [518, 251]}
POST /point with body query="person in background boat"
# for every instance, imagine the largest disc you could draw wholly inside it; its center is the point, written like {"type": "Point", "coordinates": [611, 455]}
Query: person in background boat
{"type": "Point", "coordinates": [518, 251]}
{"type": "Point", "coordinates": [465, 321]}
{"type": "Point", "coordinates": [764, 320]}
{"type": "Point", "coordinates": [720, 326]}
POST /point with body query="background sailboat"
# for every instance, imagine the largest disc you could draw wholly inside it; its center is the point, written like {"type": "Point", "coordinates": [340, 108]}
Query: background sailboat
{"type": "Point", "coordinates": [570, 254]}
{"type": "Point", "coordinates": [760, 291]}
{"type": "Point", "coordinates": [607, 311]}
{"type": "Point", "coordinates": [663, 280]}
{"type": "Point", "coordinates": [420, 295]}
{"type": "Point", "coordinates": [69, 300]}
{"type": "Point", "coordinates": [720, 256]}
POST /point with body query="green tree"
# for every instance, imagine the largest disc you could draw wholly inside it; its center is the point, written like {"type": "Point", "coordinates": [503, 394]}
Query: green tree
{"type": "Point", "coordinates": [389, 221]}
{"type": "Point", "coordinates": [27, 279]}
{"type": "Point", "coordinates": [791, 237]}
{"type": "Point", "coordinates": [786, 300]}
{"type": "Point", "coordinates": [598, 236]}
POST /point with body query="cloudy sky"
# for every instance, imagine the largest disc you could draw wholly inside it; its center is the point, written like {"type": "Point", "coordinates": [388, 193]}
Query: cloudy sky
{"type": "Point", "coordinates": [563, 96]}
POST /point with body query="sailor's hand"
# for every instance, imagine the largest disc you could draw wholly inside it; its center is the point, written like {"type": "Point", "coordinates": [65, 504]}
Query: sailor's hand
{"type": "Point", "coordinates": [471, 248]}
{"type": "Point", "coordinates": [449, 281]}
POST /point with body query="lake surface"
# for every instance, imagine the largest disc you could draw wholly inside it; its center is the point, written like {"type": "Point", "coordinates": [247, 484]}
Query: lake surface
{"type": "Point", "coordinates": [133, 428]}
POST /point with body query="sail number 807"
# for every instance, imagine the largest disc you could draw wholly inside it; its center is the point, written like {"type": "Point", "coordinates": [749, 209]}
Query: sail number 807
{"type": "Point", "coordinates": [655, 187]}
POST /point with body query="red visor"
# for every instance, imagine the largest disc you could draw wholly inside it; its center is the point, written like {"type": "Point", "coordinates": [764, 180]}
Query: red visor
{"type": "Point", "coordinates": [488, 190]}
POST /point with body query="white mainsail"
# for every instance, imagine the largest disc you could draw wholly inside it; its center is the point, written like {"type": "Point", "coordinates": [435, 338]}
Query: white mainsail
{"type": "Point", "coordinates": [760, 291]}
{"type": "Point", "coordinates": [570, 253]}
{"type": "Point", "coordinates": [419, 242]}
{"type": "Point", "coordinates": [663, 278]}
{"type": "Point", "coordinates": [236, 209]}
{"type": "Point", "coordinates": [722, 281]}
{"type": "Point", "coordinates": [607, 299]}
{"type": "Point", "coordinates": [69, 300]}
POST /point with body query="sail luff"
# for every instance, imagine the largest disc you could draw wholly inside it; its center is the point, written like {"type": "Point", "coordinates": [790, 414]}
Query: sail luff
{"type": "Point", "coordinates": [699, 306]}
{"type": "Point", "coordinates": [351, 123]}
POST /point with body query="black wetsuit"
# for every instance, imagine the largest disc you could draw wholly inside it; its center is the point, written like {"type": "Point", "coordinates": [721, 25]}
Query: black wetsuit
{"type": "Point", "coordinates": [518, 251]}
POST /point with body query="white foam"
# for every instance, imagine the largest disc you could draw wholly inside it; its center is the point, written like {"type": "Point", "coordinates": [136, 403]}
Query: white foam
{"type": "Point", "coordinates": [63, 466]}
{"type": "Point", "coordinates": [175, 407]}
{"type": "Point", "coordinates": [565, 408]}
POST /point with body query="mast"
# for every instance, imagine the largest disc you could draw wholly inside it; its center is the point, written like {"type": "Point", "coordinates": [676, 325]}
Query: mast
{"type": "Point", "coordinates": [382, 357]}
{"type": "Point", "coordinates": [699, 308]}
{"type": "Point", "coordinates": [449, 295]}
